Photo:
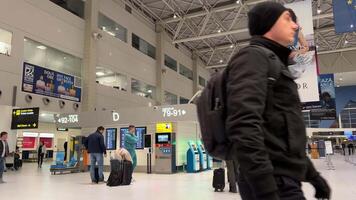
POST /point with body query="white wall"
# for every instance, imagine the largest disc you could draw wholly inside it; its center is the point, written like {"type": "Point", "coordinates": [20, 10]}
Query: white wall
{"type": "Point", "coordinates": [185, 132]}
{"type": "Point", "coordinates": [45, 22]}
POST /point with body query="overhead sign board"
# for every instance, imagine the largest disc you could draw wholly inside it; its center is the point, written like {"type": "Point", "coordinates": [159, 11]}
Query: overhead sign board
{"type": "Point", "coordinates": [164, 128]}
{"type": "Point", "coordinates": [25, 118]}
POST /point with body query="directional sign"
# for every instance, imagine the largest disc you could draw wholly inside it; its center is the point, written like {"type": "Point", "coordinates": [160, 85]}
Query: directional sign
{"type": "Point", "coordinates": [173, 112]}
{"type": "Point", "coordinates": [25, 118]}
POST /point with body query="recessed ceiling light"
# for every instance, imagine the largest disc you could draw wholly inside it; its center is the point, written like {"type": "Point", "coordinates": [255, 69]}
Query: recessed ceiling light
{"type": "Point", "coordinates": [346, 42]}
{"type": "Point", "coordinates": [149, 91]}
{"type": "Point", "coordinates": [340, 79]}
{"type": "Point", "coordinates": [318, 11]}
{"type": "Point", "coordinates": [238, 1]}
{"type": "Point", "coordinates": [117, 28]}
{"type": "Point", "coordinates": [41, 47]}
{"type": "Point", "coordinates": [104, 28]}
{"type": "Point", "coordinates": [100, 73]}
{"type": "Point", "coordinates": [221, 61]}
{"type": "Point", "coordinates": [351, 26]}
{"type": "Point", "coordinates": [219, 31]}
{"type": "Point", "coordinates": [25, 39]}
{"type": "Point", "coordinates": [43, 114]}
{"type": "Point", "coordinates": [174, 16]}
{"type": "Point", "coordinates": [231, 46]}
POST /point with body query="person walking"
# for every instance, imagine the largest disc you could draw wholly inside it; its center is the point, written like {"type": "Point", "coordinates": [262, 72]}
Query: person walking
{"type": "Point", "coordinates": [95, 145]}
{"type": "Point", "coordinates": [4, 152]}
{"type": "Point", "coordinates": [41, 152]}
{"type": "Point", "coordinates": [264, 119]}
{"type": "Point", "coordinates": [130, 144]}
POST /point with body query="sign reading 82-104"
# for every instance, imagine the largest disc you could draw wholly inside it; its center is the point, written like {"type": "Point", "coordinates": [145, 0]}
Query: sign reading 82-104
{"type": "Point", "coordinates": [68, 119]}
{"type": "Point", "coordinates": [173, 112]}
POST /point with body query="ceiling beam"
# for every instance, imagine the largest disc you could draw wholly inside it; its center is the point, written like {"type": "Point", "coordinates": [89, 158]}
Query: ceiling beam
{"type": "Point", "coordinates": [213, 10]}
{"type": "Point", "coordinates": [244, 30]}
{"type": "Point", "coordinates": [337, 50]}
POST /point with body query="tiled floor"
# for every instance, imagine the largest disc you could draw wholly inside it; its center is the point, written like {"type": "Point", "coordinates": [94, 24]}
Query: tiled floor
{"type": "Point", "coordinates": [31, 183]}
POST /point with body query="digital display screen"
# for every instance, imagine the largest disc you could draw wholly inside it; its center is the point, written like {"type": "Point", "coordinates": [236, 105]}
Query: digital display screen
{"type": "Point", "coordinates": [148, 142]}
{"type": "Point", "coordinates": [163, 138]}
{"type": "Point", "coordinates": [140, 133]}
{"type": "Point", "coordinates": [111, 138]}
{"type": "Point", "coordinates": [25, 118]}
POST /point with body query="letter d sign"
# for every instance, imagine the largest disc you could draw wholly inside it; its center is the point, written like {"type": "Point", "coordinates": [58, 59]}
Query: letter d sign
{"type": "Point", "coordinates": [115, 116]}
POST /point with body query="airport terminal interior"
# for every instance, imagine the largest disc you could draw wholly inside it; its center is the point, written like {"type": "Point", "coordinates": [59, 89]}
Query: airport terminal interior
{"type": "Point", "coordinates": [68, 67]}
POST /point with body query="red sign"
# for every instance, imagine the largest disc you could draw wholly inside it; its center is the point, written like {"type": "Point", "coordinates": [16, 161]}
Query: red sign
{"type": "Point", "coordinates": [28, 142]}
{"type": "Point", "coordinates": [47, 142]}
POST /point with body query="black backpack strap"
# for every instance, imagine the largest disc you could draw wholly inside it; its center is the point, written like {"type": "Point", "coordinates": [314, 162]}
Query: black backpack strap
{"type": "Point", "coordinates": [274, 72]}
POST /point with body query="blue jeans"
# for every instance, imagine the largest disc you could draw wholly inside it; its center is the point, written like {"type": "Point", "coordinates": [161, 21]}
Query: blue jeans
{"type": "Point", "coordinates": [99, 159]}
{"type": "Point", "coordinates": [2, 167]}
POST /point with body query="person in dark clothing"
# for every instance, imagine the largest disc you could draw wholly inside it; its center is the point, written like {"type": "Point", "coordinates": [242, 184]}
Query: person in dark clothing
{"type": "Point", "coordinates": [232, 174]}
{"type": "Point", "coordinates": [4, 152]}
{"type": "Point", "coordinates": [350, 146]}
{"type": "Point", "coordinates": [41, 152]}
{"type": "Point", "coordinates": [343, 146]}
{"type": "Point", "coordinates": [65, 145]}
{"type": "Point", "coordinates": [95, 145]}
{"type": "Point", "coordinates": [268, 134]}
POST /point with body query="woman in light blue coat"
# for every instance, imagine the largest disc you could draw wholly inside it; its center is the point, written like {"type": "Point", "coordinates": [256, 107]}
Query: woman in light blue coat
{"type": "Point", "coordinates": [130, 144]}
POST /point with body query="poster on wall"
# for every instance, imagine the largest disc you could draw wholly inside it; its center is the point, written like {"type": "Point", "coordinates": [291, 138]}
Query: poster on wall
{"type": "Point", "coordinates": [140, 133]}
{"type": "Point", "coordinates": [42, 81]}
{"type": "Point", "coordinates": [344, 15]}
{"type": "Point", "coordinates": [111, 138]}
{"type": "Point", "coordinates": [325, 108]}
{"type": "Point", "coordinates": [28, 142]}
{"type": "Point", "coordinates": [305, 62]}
{"type": "Point", "coordinates": [47, 142]}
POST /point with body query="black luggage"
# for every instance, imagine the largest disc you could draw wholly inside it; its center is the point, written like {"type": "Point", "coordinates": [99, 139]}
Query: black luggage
{"type": "Point", "coordinates": [116, 174]}
{"type": "Point", "coordinates": [97, 176]}
{"type": "Point", "coordinates": [127, 172]}
{"type": "Point", "coordinates": [219, 179]}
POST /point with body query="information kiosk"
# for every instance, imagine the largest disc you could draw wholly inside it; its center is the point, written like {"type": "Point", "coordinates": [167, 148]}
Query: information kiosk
{"type": "Point", "coordinates": [193, 161]}
{"type": "Point", "coordinates": [165, 159]}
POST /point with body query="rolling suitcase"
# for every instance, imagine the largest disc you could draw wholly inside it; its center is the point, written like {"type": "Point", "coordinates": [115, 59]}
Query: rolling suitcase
{"type": "Point", "coordinates": [219, 179]}
{"type": "Point", "coordinates": [127, 172]}
{"type": "Point", "coordinates": [116, 174]}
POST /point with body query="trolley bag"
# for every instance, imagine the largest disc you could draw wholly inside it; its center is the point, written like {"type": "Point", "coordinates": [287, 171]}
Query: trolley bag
{"type": "Point", "coordinates": [127, 172]}
{"type": "Point", "coordinates": [219, 179]}
{"type": "Point", "coordinates": [116, 173]}
{"type": "Point", "coordinates": [96, 175]}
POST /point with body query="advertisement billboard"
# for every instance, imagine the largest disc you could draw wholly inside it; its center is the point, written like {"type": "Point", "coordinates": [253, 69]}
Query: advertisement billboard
{"type": "Point", "coordinates": [42, 81]}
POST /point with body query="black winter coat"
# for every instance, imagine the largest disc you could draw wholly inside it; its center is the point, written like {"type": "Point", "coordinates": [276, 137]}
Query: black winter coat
{"type": "Point", "coordinates": [265, 142]}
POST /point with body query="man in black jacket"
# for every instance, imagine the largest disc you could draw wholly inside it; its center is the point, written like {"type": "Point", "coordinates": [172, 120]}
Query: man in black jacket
{"type": "Point", "coordinates": [95, 145]}
{"type": "Point", "coordinates": [267, 130]}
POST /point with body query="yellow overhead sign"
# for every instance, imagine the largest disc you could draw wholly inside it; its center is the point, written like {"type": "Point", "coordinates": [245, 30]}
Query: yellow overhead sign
{"type": "Point", "coordinates": [164, 128]}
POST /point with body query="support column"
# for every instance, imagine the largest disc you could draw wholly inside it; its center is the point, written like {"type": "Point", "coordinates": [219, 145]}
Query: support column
{"type": "Point", "coordinates": [91, 13]}
{"type": "Point", "coordinates": [195, 73]}
{"type": "Point", "coordinates": [160, 68]}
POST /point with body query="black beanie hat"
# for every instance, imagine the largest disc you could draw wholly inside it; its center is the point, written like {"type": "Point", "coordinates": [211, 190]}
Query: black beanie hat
{"type": "Point", "coordinates": [263, 16]}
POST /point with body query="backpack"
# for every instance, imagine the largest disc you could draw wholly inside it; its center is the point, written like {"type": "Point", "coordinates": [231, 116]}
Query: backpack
{"type": "Point", "coordinates": [212, 108]}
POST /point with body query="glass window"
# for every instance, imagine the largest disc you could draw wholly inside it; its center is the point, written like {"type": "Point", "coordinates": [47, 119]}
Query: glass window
{"type": "Point", "coordinates": [112, 28]}
{"type": "Point", "coordinates": [5, 42]}
{"type": "Point", "coordinates": [202, 81]}
{"type": "Point", "coordinates": [143, 46]}
{"type": "Point", "coordinates": [183, 100]}
{"type": "Point", "coordinates": [170, 98]}
{"type": "Point", "coordinates": [185, 71]}
{"type": "Point", "coordinates": [112, 79]}
{"type": "Point", "coordinates": [170, 62]}
{"type": "Point", "coordinates": [74, 6]}
{"type": "Point", "coordinates": [39, 54]}
{"type": "Point", "coordinates": [142, 89]}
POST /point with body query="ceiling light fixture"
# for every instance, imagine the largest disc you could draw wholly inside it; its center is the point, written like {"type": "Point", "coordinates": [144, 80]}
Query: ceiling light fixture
{"type": "Point", "coordinates": [64, 57]}
{"type": "Point", "coordinates": [231, 46]}
{"type": "Point", "coordinates": [219, 31]}
{"type": "Point", "coordinates": [149, 91]}
{"type": "Point", "coordinates": [351, 26]}
{"type": "Point", "coordinates": [41, 47]}
{"type": "Point", "coordinates": [174, 16]}
{"type": "Point", "coordinates": [346, 42]}
{"type": "Point", "coordinates": [221, 61]}
{"type": "Point", "coordinates": [319, 10]}
{"type": "Point", "coordinates": [117, 28]}
{"type": "Point", "coordinates": [100, 73]}
{"type": "Point", "coordinates": [238, 1]}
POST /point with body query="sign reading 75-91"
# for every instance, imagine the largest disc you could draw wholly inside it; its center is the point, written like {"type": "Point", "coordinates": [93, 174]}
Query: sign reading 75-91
{"type": "Point", "coordinates": [173, 112]}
